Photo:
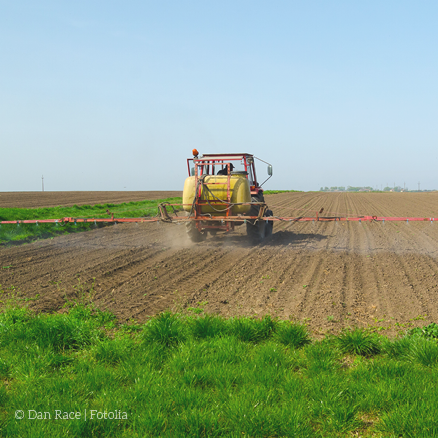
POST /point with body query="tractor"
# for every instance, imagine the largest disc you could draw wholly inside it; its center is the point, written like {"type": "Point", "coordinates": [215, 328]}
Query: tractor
{"type": "Point", "coordinates": [222, 191]}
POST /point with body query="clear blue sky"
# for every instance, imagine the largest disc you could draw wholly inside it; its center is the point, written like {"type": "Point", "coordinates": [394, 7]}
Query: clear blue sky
{"type": "Point", "coordinates": [112, 95]}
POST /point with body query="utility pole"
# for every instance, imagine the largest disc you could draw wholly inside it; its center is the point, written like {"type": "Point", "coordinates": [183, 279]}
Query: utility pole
{"type": "Point", "coordinates": [418, 185]}
{"type": "Point", "coordinates": [404, 186]}
{"type": "Point", "coordinates": [42, 183]}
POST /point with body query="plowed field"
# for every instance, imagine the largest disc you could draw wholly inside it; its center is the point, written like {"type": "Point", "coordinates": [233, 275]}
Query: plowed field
{"type": "Point", "coordinates": [332, 274]}
{"type": "Point", "coordinates": [67, 199]}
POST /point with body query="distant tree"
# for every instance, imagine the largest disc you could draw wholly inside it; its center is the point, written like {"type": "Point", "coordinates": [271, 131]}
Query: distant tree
{"type": "Point", "coordinates": [387, 189]}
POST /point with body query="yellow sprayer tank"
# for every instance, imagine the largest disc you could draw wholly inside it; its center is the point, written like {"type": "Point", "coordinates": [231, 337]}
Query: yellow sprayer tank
{"type": "Point", "coordinates": [239, 191]}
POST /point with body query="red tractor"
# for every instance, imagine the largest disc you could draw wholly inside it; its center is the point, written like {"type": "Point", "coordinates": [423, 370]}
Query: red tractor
{"type": "Point", "coordinates": [221, 192]}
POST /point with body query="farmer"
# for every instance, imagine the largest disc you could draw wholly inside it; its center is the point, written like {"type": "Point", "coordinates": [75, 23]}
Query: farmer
{"type": "Point", "coordinates": [224, 171]}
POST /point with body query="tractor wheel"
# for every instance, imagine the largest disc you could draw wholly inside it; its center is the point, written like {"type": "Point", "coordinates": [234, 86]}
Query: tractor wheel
{"type": "Point", "coordinates": [255, 229]}
{"type": "Point", "coordinates": [269, 225]}
{"type": "Point", "coordinates": [256, 232]}
{"type": "Point", "coordinates": [194, 234]}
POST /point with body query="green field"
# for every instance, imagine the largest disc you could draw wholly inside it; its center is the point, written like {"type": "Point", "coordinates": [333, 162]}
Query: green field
{"type": "Point", "coordinates": [29, 232]}
{"type": "Point", "coordinates": [275, 192]}
{"type": "Point", "coordinates": [196, 375]}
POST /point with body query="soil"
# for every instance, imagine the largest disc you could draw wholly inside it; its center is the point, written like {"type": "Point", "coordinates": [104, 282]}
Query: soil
{"type": "Point", "coordinates": [67, 199]}
{"type": "Point", "coordinates": [329, 274]}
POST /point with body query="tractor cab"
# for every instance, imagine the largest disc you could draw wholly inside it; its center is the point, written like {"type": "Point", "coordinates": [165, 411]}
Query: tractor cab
{"type": "Point", "coordinates": [244, 164]}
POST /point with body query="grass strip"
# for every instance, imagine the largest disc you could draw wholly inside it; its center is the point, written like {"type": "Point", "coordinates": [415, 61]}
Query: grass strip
{"type": "Point", "coordinates": [28, 232]}
{"type": "Point", "coordinates": [205, 376]}
{"type": "Point", "coordinates": [275, 192]}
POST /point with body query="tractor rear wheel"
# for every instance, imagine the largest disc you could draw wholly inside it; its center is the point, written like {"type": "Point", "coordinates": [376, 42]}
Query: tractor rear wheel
{"type": "Point", "coordinates": [194, 234]}
{"type": "Point", "coordinates": [269, 225]}
{"type": "Point", "coordinates": [256, 229]}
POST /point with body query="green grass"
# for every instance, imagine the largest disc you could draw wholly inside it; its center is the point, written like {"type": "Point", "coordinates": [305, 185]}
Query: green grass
{"type": "Point", "coordinates": [359, 342]}
{"type": "Point", "coordinates": [275, 192]}
{"type": "Point", "coordinates": [203, 375]}
{"type": "Point", "coordinates": [28, 232]}
{"type": "Point", "coordinates": [429, 331]}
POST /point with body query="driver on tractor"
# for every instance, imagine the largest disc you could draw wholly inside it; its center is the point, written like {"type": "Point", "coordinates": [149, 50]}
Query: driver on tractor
{"type": "Point", "coordinates": [224, 171]}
